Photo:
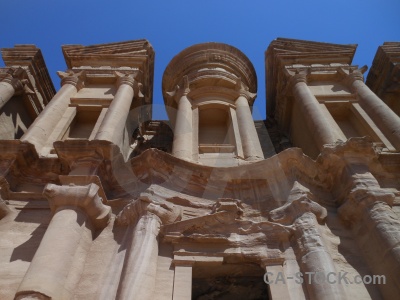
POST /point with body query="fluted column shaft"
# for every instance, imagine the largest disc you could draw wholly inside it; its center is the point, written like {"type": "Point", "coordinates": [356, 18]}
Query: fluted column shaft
{"type": "Point", "coordinates": [183, 130]}
{"type": "Point", "coordinates": [44, 124]}
{"type": "Point", "coordinates": [310, 108]}
{"type": "Point", "coordinates": [112, 127]}
{"type": "Point", "coordinates": [248, 134]}
{"type": "Point", "coordinates": [385, 118]}
{"type": "Point", "coordinates": [138, 277]}
{"type": "Point", "coordinates": [58, 263]}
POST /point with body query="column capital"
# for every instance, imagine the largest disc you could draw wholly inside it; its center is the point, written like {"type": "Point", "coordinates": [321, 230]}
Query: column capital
{"type": "Point", "coordinates": [14, 77]}
{"type": "Point", "coordinates": [168, 213]}
{"type": "Point", "coordinates": [130, 79]}
{"type": "Point", "coordinates": [182, 90]}
{"type": "Point", "coordinates": [351, 75]}
{"type": "Point", "coordinates": [360, 199]}
{"type": "Point", "coordinates": [297, 78]}
{"type": "Point", "coordinates": [300, 203]}
{"type": "Point", "coordinates": [85, 197]}
{"type": "Point", "coordinates": [72, 78]}
{"type": "Point", "coordinates": [243, 90]}
{"type": "Point", "coordinates": [297, 75]}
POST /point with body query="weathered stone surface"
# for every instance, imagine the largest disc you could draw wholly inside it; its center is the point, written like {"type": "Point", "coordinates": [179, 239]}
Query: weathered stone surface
{"type": "Point", "coordinates": [98, 201]}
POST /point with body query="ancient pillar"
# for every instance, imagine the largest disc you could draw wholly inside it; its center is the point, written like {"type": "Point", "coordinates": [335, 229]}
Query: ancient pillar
{"type": "Point", "coordinates": [367, 209]}
{"type": "Point", "coordinates": [139, 273]}
{"type": "Point", "coordinates": [315, 262]}
{"type": "Point", "coordinates": [386, 120]}
{"type": "Point", "coordinates": [248, 134]}
{"type": "Point", "coordinates": [113, 125]}
{"type": "Point", "coordinates": [183, 131]}
{"type": "Point", "coordinates": [8, 88]}
{"type": "Point", "coordinates": [317, 125]}
{"type": "Point", "coordinates": [58, 263]}
{"type": "Point", "coordinates": [44, 124]}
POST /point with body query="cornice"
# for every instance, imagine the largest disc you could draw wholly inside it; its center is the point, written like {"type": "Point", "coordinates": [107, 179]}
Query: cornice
{"type": "Point", "coordinates": [275, 175]}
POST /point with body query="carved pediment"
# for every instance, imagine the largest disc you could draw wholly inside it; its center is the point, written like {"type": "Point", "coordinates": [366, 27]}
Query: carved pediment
{"type": "Point", "coordinates": [136, 54]}
{"type": "Point", "coordinates": [131, 53]}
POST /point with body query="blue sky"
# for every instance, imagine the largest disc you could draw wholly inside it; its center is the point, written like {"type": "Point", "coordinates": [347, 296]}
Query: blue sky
{"type": "Point", "coordinates": [173, 25]}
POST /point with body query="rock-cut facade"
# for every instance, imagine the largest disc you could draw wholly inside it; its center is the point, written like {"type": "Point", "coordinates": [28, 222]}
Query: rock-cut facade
{"type": "Point", "coordinates": [100, 201]}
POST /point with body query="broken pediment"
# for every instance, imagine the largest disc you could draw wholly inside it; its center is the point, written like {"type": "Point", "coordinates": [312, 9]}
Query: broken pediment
{"type": "Point", "coordinates": [126, 54]}
{"type": "Point", "coordinates": [300, 51]}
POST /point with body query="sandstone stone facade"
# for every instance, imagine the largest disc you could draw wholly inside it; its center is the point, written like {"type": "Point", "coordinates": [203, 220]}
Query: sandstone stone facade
{"type": "Point", "coordinates": [99, 201]}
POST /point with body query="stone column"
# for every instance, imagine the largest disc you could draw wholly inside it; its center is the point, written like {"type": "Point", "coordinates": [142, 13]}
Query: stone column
{"type": "Point", "coordinates": [39, 132]}
{"type": "Point", "coordinates": [367, 209]}
{"type": "Point", "coordinates": [58, 263]}
{"type": "Point", "coordinates": [9, 86]}
{"type": "Point", "coordinates": [248, 134]}
{"type": "Point", "coordinates": [113, 125]}
{"type": "Point", "coordinates": [317, 125]}
{"type": "Point", "coordinates": [385, 118]}
{"type": "Point", "coordinates": [139, 273]}
{"type": "Point", "coordinates": [311, 253]}
{"type": "Point", "coordinates": [183, 129]}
